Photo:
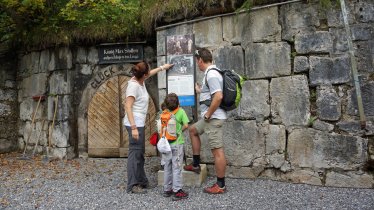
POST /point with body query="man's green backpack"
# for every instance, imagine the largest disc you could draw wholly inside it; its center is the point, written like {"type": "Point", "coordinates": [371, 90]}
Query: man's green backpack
{"type": "Point", "coordinates": [232, 89]}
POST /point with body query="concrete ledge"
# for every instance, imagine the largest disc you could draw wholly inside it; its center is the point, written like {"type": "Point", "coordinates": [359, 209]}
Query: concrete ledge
{"type": "Point", "coordinates": [190, 179]}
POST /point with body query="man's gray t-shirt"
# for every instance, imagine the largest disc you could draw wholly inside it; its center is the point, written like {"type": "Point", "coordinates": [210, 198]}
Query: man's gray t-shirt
{"type": "Point", "coordinates": [215, 82]}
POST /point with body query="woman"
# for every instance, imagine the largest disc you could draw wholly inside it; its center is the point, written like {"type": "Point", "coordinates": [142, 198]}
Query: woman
{"type": "Point", "coordinates": [136, 106]}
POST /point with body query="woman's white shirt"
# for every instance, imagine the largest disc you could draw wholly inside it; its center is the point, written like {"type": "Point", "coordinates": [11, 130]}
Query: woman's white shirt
{"type": "Point", "coordinates": [140, 105]}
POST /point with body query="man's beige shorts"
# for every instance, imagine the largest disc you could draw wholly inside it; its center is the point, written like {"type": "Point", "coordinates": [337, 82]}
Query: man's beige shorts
{"type": "Point", "coordinates": [213, 130]}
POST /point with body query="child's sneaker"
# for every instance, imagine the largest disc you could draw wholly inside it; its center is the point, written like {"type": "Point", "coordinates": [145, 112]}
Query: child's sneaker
{"type": "Point", "coordinates": [167, 193]}
{"type": "Point", "coordinates": [192, 168]}
{"type": "Point", "coordinates": [215, 189]}
{"type": "Point", "coordinates": [179, 195]}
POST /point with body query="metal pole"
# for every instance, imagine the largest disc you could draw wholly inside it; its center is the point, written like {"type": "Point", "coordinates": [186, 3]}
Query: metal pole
{"type": "Point", "coordinates": [354, 66]}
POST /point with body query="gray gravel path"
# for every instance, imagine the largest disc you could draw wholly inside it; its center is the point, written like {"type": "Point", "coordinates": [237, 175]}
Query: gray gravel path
{"type": "Point", "coordinates": [101, 184]}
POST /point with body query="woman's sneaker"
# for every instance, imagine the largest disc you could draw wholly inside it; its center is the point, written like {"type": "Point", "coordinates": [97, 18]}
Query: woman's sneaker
{"type": "Point", "coordinates": [179, 195]}
{"type": "Point", "coordinates": [167, 193]}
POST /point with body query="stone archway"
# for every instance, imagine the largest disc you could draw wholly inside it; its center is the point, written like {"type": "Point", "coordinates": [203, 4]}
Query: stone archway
{"type": "Point", "coordinates": [100, 113]}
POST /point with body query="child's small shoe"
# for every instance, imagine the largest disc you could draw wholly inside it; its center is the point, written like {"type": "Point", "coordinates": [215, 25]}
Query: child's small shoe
{"type": "Point", "coordinates": [167, 193]}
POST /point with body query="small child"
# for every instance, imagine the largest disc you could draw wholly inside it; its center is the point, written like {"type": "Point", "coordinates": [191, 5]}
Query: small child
{"type": "Point", "coordinates": [173, 166]}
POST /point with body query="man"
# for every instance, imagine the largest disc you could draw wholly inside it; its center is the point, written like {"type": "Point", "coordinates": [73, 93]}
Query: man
{"type": "Point", "coordinates": [212, 120]}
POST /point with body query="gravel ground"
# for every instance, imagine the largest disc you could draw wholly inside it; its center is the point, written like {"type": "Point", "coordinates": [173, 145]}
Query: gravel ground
{"type": "Point", "coordinates": [101, 184]}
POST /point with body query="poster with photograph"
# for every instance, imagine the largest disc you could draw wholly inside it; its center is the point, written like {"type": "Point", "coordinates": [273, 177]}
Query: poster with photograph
{"type": "Point", "coordinates": [179, 44]}
{"type": "Point", "coordinates": [181, 77]}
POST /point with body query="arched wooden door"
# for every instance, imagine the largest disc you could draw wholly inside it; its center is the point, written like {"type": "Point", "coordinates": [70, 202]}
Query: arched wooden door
{"type": "Point", "coordinates": [106, 135]}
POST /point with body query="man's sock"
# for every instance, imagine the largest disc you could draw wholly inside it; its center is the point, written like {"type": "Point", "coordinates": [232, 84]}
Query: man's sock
{"type": "Point", "coordinates": [196, 160]}
{"type": "Point", "coordinates": [221, 182]}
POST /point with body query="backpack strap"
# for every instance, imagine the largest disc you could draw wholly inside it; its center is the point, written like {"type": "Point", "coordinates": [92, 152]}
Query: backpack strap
{"type": "Point", "coordinates": [209, 101]}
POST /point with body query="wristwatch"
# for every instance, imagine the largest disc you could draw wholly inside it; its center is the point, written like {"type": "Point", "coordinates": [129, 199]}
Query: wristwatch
{"type": "Point", "coordinates": [133, 127]}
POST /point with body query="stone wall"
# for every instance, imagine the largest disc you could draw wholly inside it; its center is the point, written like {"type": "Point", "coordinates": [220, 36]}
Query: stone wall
{"type": "Point", "coordinates": [298, 120]}
{"type": "Point", "coordinates": [8, 104]}
{"type": "Point", "coordinates": [66, 73]}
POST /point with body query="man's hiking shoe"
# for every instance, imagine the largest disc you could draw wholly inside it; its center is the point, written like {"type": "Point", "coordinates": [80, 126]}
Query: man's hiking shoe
{"type": "Point", "coordinates": [138, 190]}
{"type": "Point", "coordinates": [179, 195]}
{"type": "Point", "coordinates": [192, 168]}
{"type": "Point", "coordinates": [167, 193]}
{"type": "Point", "coordinates": [215, 189]}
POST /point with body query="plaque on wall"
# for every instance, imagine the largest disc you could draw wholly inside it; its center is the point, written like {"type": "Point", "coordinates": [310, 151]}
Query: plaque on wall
{"type": "Point", "coordinates": [120, 53]}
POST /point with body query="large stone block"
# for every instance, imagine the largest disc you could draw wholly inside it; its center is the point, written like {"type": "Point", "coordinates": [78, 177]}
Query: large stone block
{"type": "Point", "coordinates": [93, 56]}
{"type": "Point", "coordinates": [364, 54]}
{"type": "Point", "coordinates": [315, 149]}
{"type": "Point", "coordinates": [208, 33]}
{"type": "Point", "coordinates": [328, 103]}
{"type": "Point", "coordinates": [268, 60]}
{"type": "Point", "coordinates": [243, 143]}
{"type": "Point", "coordinates": [81, 56]}
{"type": "Point", "coordinates": [5, 110]}
{"type": "Point", "coordinates": [60, 82]}
{"type": "Point", "coordinates": [262, 26]}
{"type": "Point", "coordinates": [367, 95]}
{"type": "Point", "coordinates": [303, 176]}
{"type": "Point", "coordinates": [290, 103]}
{"type": "Point", "coordinates": [318, 42]}
{"type": "Point", "coordinates": [61, 58]}
{"type": "Point", "coordinates": [301, 64]}
{"type": "Point", "coordinates": [255, 100]}
{"type": "Point", "coordinates": [232, 28]}
{"type": "Point", "coordinates": [36, 84]}
{"type": "Point", "coordinates": [296, 18]}
{"type": "Point", "coordinates": [364, 11]}
{"type": "Point", "coordinates": [354, 179]}
{"type": "Point", "coordinates": [190, 179]}
{"type": "Point", "coordinates": [230, 57]}
{"type": "Point", "coordinates": [326, 71]}
{"type": "Point", "coordinates": [44, 61]}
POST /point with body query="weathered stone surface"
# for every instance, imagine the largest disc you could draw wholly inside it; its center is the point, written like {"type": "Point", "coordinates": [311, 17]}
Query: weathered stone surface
{"type": "Point", "coordinates": [367, 95]}
{"type": "Point", "coordinates": [364, 54]}
{"type": "Point", "coordinates": [35, 60]}
{"type": "Point", "coordinates": [357, 179]}
{"type": "Point", "coordinates": [315, 149]}
{"type": "Point", "coordinates": [318, 42]}
{"type": "Point", "coordinates": [34, 85]}
{"type": "Point", "coordinates": [335, 16]}
{"type": "Point", "coordinates": [365, 11]}
{"type": "Point", "coordinates": [209, 33]}
{"type": "Point", "coordinates": [60, 82]}
{"type": "Point", "coordinates": [5, 110]}
{"type": "Point", "coordinates": [81, 55]}
{"type": "Point", "coordinates": [362, 32]}
{"type": "Point", "coordinates": [230, 57]}
{"type": "Point", "coordinates": [268, 60]}
{"type": "Point", "coordinates": [161, 76]}
{"type": "Point", "coordinates": [296, 18]}
{"type": "Point", "coordinates": [64, 107]}
{"type": "Point", "coordinates": [326, 71]}
{"type": "Point", "coordinates": [28, 107]}
{"type": "Point", "coordinates": [303, 176]}
{"type": "Point", "coordinates": [255, 100]}
{"type": "Point", "coordinates": [301, 64]}
{"type": "Point", "coordinates": [339, 41]}
{"type": "Point", "coordinates": [243, 143]}
{"type": "Point", "coordinates": [290, 100]}
{"type": "Point", "coordinates": [25, 65]}
{"type": "Point", "coordinates": [262, 26]}
{"type": "Point", "coordinates": [44, 61]}
{"type": "Point", "coordinates": [60, 136]}
{"type": "Point", "coordinates": [61, 59]}
{"type": "Point", "coordinates": [8, 95]}
{"type": "Point", "coordinates": [6, 145]}
{"type": "Point", "coordinates": [85, 69]}
{"type": "Point", "coordinates": [232, 28]}
{"type": "Point", "coordinates": [323, 126]}
{"type": "Point", "coordinates": [93, 56]}
{"type": "Point", "coordinates": [244, 172]}
{"type": "Point", "coordinates": [328, 103]}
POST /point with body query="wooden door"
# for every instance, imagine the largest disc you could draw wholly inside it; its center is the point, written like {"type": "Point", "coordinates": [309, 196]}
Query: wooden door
{"type": "Point", "coordinates": [107, 137]}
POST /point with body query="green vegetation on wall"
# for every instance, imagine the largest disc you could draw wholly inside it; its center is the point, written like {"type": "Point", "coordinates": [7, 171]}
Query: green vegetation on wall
{"type": "Point", "coordinates": [52, 22]}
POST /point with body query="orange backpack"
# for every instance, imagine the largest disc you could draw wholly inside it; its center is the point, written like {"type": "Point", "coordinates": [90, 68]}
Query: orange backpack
{"type": "Point", "coordinates": [169, 125]}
